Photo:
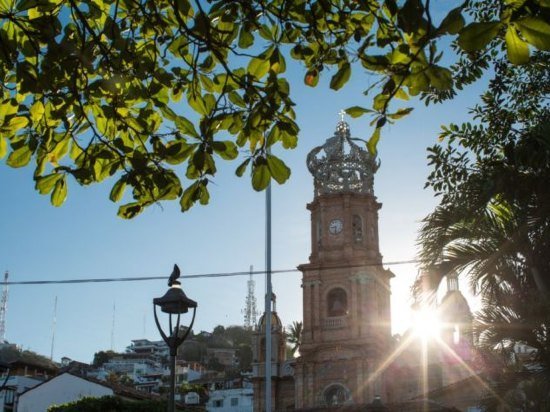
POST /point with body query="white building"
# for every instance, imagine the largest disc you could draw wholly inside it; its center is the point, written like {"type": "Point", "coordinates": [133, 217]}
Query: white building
{"type": "Point", "coordinates": [133, 365]}
{"type": "Point", "coordinates": [15, 385]}
{"type": "Point", "coordinates": [230, 400]}
{"type": "Point", "coordinates": [68, 387]}
{"type": "Point", "coordinates": [157, 349]}
{"type": "Point", "coordinates": [58, 390]}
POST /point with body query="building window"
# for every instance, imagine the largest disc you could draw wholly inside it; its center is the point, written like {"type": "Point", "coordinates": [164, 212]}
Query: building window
{"type": "Point", "coordinates": [357, 225]}
{"type": "Point", "coordinates": [337, 302]}
{"type": "Point", "coordinates": [336, 395]}
{"type": "Point", "coordinates": [234, 401]}
{"type": "Point", "coordinates": [218, 403]}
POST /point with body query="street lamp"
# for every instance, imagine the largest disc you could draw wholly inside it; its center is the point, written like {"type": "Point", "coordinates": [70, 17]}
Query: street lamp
{"type": "Point", "coordinates": [174, 302]}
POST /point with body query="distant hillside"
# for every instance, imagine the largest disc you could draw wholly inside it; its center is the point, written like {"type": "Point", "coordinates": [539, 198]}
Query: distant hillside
{"type": "Point", "coordinates": [10, 353]}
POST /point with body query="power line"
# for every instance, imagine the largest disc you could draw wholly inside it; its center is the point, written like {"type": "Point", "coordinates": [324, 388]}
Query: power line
{"type": "Point", "coordinates": [197, 276]}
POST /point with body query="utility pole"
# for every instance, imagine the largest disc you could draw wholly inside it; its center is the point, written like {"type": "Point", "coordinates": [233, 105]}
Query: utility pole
{"type": "Point", "coordinates": [268, 299]}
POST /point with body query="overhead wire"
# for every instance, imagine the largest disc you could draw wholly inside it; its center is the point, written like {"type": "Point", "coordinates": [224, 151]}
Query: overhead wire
{"type": "Point", "coordinates": [197, 276]}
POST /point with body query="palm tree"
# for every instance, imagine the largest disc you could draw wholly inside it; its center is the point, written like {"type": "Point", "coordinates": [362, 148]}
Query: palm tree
{"type": "Point", "coordinates": [294, 336]}
{"type": "Point", "coordinates": [493, 222]}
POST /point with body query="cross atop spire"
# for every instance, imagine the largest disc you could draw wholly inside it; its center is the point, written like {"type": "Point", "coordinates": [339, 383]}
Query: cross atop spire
{"type": "Point", "coordinates": [342, 113]}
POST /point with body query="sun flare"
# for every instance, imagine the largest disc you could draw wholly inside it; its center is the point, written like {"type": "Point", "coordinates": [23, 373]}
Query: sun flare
{"type": "Point", "coordinates": [426, 324]}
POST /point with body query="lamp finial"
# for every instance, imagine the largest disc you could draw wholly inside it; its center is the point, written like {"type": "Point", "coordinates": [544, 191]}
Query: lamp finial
{"type": "Point", "coordinates": [173, 279]}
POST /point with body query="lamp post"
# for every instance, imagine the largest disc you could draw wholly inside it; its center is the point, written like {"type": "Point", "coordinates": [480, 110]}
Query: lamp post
{"type": "Point", "coordinates": [174, 302]}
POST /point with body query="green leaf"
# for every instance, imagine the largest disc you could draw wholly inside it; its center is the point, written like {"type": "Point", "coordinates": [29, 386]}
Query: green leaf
{"type": "Point", "coordinates": [3, 147]}
{"type": "Point", "coordinates": [417, 83]}
{"type": "Point", "coordinates": [517, 50]}
{"type": "Point", "coordinates": [20, 157]}
{"type": "Point", "coordinates": [242, 167]}
{"type": "Point", "coordinates": [410, 16]}
{"type": "Point", "coordinates": [209, 102]}
{"type": "Point", "coordinates": [373, 142]}
{"type": "Point", "coordinates": [476, 36]}
{"type": "Point", "coordinates": [186, 200]}
{"type": "Point", "coordinates": [15, 124]}
{"type": "Point", "coordinates": [400, 113]}
{"type": "Point", "coordinates": [260, 176]}
{"type": "Point", "coordinates": [45, 184]}
{"type": "Point", "coordinates": [440, 77]}
{"type": "Point", "coordinates": [130, 210]}
{"type": "Point", "coordinates": [186, 127]}
{"type": "Point", "coordinates": [227, 150]}
{"type": "Point", "coordinates": [196, 101]}
{"type": "Point", "coordinates": [277, 62]}
{"type": "Point", "coordinates": [535, 31]}
{"type": "Point", "coordinates": [204, 195]}
{"type": "Point", "coordinates": [277, 168]}
{"type": "Point", "coordinates": [380, 102]}
{"type": "Point", "coordinates": [246, 39]}
{"type": "Point", "coordinates": [8, 107]}
{"type": "Point", "coordinates": [401, 94]}
{"type": "Point", "coordinates": [177, 151]}
{"type": "Point", "coordinates": [26, 4]}
{"type": "Point", "coordinates": [37, 111]}
{"type": "Point", "coordinates": [59, 193]}
{"type": "Point", "coordinates": [341, 77]}
{"type": "Point", "coordinates": [197, 191]}
{"type": "Point", "coordinates": [311, 78]}
{"type": "Point", "coordinates": [453, 22]}
{"type": "Point", "coordinates": [258, 67]}
{"type": "Point", "coordinates": [60, 150]}
{"type": "Point", "coordinates": [357, 111]}
{"type": "Point", "coordinates": [118, 190]}
{"type": "Point", "coordinates": [236, 98]}
{"type": "Point", "coordinates": [184, 9]}
{"type": "Point", "coordinates": [289, 139]}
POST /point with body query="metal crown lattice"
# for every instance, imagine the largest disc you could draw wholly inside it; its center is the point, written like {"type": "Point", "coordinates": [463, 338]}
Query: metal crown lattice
{"type": "Point", "coordinates": [341, 165]}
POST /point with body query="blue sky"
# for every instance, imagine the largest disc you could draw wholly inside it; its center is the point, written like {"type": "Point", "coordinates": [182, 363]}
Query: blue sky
{"type": "Point", "coordinates": [85, 239]}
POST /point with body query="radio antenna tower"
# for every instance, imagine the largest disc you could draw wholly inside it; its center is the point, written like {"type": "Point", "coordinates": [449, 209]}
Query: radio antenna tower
{"type": "Point", "coordinates": [250, 312]}
{"type": "Point", "coordinates": [113, 328]}
{"type": "Point", "coordinates": [54, 323]}
{"type": "Point", "coordinates": [3, 309]}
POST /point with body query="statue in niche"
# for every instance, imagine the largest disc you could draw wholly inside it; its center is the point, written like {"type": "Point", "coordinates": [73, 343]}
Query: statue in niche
{"type": "Point", "coordinates": [357, 226]}
{"type": "Point", "coordinates": [336, 395]}
{"type": "Point", "coordinates": [337, 303]}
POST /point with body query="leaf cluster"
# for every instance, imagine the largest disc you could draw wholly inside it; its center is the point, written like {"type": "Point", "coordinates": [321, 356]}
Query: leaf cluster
{"type": "Point", "coordinates": [154, 94]}
{"type": "Point", "coordinates": [114, 404]}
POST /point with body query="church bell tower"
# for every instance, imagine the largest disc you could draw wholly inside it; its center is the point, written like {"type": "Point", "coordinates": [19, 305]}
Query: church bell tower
{"type": "Point", "coordinates": [346, 291]}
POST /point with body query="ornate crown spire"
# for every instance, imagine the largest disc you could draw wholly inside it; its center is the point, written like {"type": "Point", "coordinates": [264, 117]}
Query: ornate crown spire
{"type": "Point", "coordinates": [341, 165]}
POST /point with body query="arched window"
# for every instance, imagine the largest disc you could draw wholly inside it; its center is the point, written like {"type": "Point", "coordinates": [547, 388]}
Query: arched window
{"type": "Point", "coordinates": [357, 225]}
{"type": "Point", "coordinates": [337, 302]}
{"type": "Point", "coordinates": [336, 395]}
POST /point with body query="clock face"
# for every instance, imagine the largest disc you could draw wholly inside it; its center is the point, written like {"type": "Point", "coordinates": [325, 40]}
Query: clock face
{"type": "Point", "coordinates": [335, 226]}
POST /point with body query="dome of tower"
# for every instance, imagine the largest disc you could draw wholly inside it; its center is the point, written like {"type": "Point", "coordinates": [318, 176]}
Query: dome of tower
{"type": "Point", "coordinates": [275, 322]}
{"type": "Point", "coordinates": [341, 165]}
{"type": "Point", "coordinates": [454, 307]}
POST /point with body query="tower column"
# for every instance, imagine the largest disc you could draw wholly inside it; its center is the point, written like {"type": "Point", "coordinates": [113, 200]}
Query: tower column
{"type": "Point", "coordinates": [316, 308]}
{"type": "Point", "coordinates": [355, 306]}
